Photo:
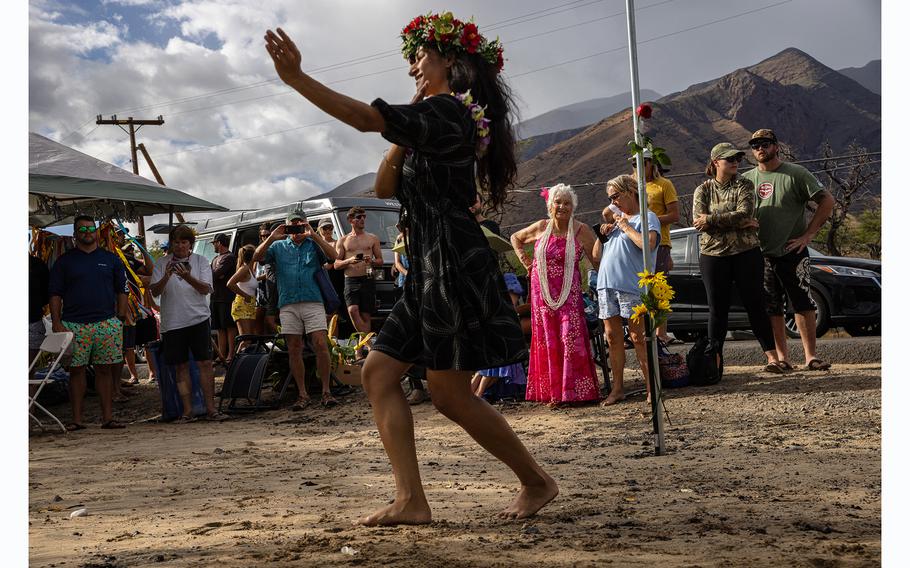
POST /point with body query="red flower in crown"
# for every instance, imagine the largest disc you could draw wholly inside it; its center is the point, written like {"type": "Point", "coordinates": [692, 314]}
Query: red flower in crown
{"type": "Point", "coordinates": [470, 39]}
{"type": "Point", "coordinates": [499, 61]}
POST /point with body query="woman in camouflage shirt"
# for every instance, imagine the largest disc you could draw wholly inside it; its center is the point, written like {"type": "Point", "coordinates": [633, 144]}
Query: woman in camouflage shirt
{"type": "Point", "coordinates": [723, 211]}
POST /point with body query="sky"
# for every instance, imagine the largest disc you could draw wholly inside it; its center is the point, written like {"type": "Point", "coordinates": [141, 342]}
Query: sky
{"type": "Point", "coordinates": [236, 136]}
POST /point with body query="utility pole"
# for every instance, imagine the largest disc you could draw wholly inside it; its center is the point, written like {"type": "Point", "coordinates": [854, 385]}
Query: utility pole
{"type": "Point", "coordinates": [134, 126]}
{"type": "Point", "coordinates": [158, 178]}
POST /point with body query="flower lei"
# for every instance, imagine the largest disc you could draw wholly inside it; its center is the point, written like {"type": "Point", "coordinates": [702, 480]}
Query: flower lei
{"type": "Point", "coordinates": [449, 35]}
{"type": "Point", "coordinates": [568, 272]}
{"type": "Point", "coordinates": [483, 123]}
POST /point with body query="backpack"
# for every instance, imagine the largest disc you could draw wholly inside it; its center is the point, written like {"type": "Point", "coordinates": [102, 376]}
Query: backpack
{"type": "Point", "coordinates": [674, 372]}
{"type": "Point", "coordinates": [702, 362]}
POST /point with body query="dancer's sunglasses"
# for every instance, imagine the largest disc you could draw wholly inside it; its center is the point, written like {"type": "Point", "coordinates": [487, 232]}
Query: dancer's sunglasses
{"type": "Point", "coordinates": [87, 229]}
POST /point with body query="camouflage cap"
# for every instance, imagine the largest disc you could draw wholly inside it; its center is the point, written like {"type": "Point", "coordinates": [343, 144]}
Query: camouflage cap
{"type": "Point", "coordinates": [725, 150]}
{"type": "Point", "coordinates": [763, 134]}
{"type": "Point", "coordinates": [295, 215]}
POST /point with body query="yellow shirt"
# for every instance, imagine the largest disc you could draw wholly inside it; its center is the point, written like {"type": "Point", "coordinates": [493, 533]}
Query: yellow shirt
{"type": "Point", "coordinates": [661, 193]}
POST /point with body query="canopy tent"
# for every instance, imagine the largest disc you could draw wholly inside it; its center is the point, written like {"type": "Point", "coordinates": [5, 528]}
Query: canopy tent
{"type": "Point", "coordinates": [63, 182]}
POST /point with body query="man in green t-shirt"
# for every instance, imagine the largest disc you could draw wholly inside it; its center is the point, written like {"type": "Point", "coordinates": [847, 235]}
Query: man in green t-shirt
{"type": "Point", "coordinates": [782, 192]}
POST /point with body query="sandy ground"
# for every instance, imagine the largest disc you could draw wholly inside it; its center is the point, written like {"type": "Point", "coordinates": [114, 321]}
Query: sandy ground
{"type": "Point", "coordinates": [761, 470]}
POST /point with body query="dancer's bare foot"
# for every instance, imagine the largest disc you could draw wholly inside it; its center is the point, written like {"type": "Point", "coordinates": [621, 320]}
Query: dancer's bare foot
{"type": "Point", "coordinates": [531, 499]}
{"type": "Point", "coordinates": [613, 398]}
{"type": "Point", "coordinates": [409, 512]}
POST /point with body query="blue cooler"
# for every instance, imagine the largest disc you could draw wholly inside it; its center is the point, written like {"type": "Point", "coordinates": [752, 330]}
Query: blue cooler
{"type": "Point", "coordinates": [171, 405]}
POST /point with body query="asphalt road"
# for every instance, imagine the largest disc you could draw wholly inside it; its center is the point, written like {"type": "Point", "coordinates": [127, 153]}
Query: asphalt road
{"type": "Point", "coordinates": [835, 350]}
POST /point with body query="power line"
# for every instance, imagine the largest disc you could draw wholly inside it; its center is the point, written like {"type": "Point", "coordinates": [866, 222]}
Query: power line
{"type": "Point", "coordinates": [365, 58]}
{"type": "Point", "coordinates": [511, 76]}
{"type": "Point", "coordinates": [285, 92]}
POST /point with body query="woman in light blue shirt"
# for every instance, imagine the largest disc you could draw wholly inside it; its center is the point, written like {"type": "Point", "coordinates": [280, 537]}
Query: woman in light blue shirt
{"type": "Point", "coordinates": [617, 279]}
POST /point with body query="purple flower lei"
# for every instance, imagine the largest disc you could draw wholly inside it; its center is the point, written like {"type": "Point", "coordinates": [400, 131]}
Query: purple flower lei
{"type": "Point", "coordinates": [483, 123]}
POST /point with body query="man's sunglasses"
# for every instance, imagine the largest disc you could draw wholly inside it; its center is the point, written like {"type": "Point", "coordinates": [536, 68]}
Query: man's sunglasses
{"type": "Point", "coordinates": [87, 229]}
{"type": "Point", "coordinates": [264, 235]}
{"type": "Point", "coordinates": [361, 216]}
{"type": "Point", "coordinates": [761, 145]}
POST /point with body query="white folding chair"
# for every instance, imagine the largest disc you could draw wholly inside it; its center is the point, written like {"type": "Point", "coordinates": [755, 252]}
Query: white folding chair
{"type": "Point", "coordinates": [54, 343]}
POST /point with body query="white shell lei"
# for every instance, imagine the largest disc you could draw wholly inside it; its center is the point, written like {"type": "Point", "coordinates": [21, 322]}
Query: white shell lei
{"type": "Point", "coordinates": [540, 254]}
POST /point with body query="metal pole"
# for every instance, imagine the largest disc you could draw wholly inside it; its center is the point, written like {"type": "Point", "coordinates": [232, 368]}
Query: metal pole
{"type": "Point", "coordinates": [653, 377]}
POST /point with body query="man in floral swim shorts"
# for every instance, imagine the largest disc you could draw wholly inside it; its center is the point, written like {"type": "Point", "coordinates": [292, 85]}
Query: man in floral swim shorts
{"type": "Point", "coordinates": [88, 296]}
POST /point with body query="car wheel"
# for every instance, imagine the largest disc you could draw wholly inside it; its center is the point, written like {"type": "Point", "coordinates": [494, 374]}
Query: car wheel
{"type": "Point", "coordinates": [864, 330]}
{"type": "Point", "coordinates": [822, 320]}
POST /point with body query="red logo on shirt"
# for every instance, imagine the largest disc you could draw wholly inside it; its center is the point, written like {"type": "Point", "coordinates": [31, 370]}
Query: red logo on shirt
{"type": "Point", "coordinates": [765, 190]}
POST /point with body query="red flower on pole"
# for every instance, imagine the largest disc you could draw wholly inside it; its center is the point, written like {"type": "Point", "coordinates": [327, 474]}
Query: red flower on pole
{"type": "Point", "coordinates": [643, 110]}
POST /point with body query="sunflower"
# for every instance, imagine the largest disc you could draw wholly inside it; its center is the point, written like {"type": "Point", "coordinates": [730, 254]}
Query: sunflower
{"type": "Point", "coordinates": [638, 312]}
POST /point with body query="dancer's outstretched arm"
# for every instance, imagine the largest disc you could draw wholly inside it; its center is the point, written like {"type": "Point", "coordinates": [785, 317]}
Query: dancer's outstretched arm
{"type": "Point", "coordinates": [287, 61]}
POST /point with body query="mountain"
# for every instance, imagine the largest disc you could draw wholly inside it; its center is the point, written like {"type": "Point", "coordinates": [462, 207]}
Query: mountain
{"type": "Point", "coordinates": [805, 102]}
{"type": "Point", "coordinates": [576, 115]}
{"type": "Point", "coordinates": [361, 185]}
{"type": "Point", "coordinates": [869, 75]}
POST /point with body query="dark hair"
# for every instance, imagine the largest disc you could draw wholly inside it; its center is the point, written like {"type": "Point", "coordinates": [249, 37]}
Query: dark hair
{"type": "Point", "coordinates": [711, 169]}
{"type": "Point", "coordinates": [223, 239]}
{"type": "Point", "coordinates": [80, 218]}
{"type": "Point", "coordinates": [181, 233]}
{"type": "Point", "coordinates": [264, 227]}
{"type": "Point", "coordinates": [245, 255]}
{"type": "Point", "coordinates": [496, 170]}
{"type": "Point", "coordinates": [356, 210]}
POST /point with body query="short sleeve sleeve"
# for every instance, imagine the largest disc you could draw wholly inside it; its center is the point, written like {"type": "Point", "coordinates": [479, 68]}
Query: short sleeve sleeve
{"type": "Point", "coordinates": [158, 270]}
{"type": "Point", "coordinates": [55, 282]}
{"type": "Point", "coordinates": [120, 286]}
{"type": "Point", "coordinates": [434, 125]}
{"type": "Point", "coordinates": [669, 192]}
{"type": "Point", "coordinates": [810, 183]}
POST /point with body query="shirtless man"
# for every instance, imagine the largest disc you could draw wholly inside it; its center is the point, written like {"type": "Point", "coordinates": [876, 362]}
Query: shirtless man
{"type": "Point", "coordinates": [357, 251]}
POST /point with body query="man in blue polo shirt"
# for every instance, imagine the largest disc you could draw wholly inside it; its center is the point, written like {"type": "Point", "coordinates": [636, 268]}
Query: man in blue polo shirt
{"type": "Point", "coordinates": [88, 296]}
{"type": "Point", "coordinates": [295, 261]}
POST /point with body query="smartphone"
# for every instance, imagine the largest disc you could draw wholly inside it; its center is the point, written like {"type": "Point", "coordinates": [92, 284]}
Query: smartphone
{"type": "Point", "coordinates": [359, 256]}
{"type": "Point", "coordinates": [293, 229]}
{"type": "Point", "coordinates": [184, 263]}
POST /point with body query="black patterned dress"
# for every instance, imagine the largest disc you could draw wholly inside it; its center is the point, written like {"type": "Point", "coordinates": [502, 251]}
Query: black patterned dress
{"type": "Point", "coordinates": [455, 312]}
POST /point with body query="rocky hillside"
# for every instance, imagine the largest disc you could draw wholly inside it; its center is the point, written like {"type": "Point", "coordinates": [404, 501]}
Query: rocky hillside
{"type": "Point", "coordinates": [804, 101]}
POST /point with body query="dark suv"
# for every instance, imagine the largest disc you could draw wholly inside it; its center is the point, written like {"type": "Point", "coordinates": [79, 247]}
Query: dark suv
{"type": "Point", "coordinates": [847, 291]}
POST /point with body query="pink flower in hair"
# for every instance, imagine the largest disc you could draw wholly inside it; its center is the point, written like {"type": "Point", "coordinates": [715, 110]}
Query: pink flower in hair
{"type": "Point", "coordinates": [545, 193]}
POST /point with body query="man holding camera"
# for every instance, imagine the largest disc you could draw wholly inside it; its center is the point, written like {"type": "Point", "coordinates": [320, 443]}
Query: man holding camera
{"type": "Point", "coordinates": [358, 252]}
{"type": "Point", "coordinates": [295, 261]}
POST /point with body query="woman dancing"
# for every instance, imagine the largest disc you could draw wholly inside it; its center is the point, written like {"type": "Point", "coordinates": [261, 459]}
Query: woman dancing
{"type": "Point", "coordinates": [455, 316]}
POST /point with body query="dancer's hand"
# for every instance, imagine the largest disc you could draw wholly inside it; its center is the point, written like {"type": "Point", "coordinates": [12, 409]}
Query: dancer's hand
{"type": "Point", "coordinates": [284, 55]}
{"type": "Point", "coordinates": [421, 92]}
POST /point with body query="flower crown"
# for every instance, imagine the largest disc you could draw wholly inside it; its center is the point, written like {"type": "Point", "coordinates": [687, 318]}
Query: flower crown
{"type": "Point", "coordinates": [448, 34]}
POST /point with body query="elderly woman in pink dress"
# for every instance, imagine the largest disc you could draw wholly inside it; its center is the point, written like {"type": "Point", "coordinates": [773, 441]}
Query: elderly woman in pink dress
{"type": "Point", "coordinates": [561, 369]}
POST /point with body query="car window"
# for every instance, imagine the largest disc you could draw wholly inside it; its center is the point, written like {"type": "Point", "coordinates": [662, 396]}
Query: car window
{"type": "Point", "coordinates": [680, 246]}
{"type": "Point", "coordinates": [380, 222]}
{"type": "Point", "coordinates": [205, 247]}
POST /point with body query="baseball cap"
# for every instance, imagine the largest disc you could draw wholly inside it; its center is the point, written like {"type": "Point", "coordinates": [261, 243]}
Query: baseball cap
{"type": "Point", "coordinates": [294, 215]}
{"type": "Point", "coordinates": [222, 238]}
{"type": "Point", "coordinates": [326, 222]}
{"type": "Point", "coordinates": [763, 134]}
{"type": "Point", "coordinates": [725, 150]}
{"type": "Point", "coordinates": [645, 155]}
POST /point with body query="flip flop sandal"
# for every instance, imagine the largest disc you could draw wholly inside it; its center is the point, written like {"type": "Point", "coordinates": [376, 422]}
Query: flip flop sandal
{"type": "Point", "coordinates": [184, 420]}
{"type": "Point", "coordinates": [72, 427]}
{"type": "Point", "coordinates": [818, 365]}
{"type": "Point", "coordinates": [785, 365]}
{"type": "Point", "coordinates": [112, 425]}
{"type": "Point", "coordinates": [775, 368]}
{"type": "Point", "coordinates": [328, 401]}
{"type": "Point", "coordinates": [301, 404]}
{"type": "Point", "coordinates": [217, 417]}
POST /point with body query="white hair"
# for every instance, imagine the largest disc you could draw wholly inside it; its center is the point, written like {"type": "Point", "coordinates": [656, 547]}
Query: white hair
{"type": "Point", "coordinates": [558, 190]}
